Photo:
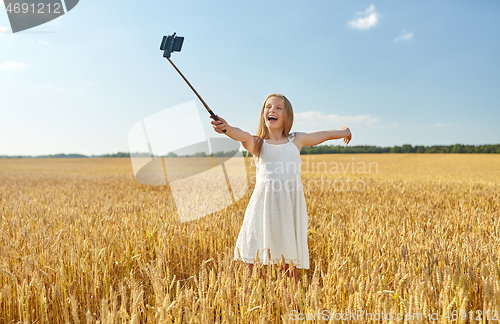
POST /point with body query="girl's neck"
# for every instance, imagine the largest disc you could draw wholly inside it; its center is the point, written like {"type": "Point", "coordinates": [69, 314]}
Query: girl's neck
{"type": "Point", "coordinates": [276, 136]}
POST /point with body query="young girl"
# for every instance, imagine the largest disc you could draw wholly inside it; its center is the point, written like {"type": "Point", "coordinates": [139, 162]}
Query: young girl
{"type": "Point", "coordinates": [275, 220]}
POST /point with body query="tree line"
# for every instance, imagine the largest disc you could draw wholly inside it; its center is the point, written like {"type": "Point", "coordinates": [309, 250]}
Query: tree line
{"type": "Point", "coordinates": [406, 148]}
{"type": "Point", "coordinates": [321, 149]}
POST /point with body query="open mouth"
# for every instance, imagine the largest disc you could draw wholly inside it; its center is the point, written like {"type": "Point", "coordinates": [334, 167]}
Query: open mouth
{"type": "Point", "coordinates": [272, 119]}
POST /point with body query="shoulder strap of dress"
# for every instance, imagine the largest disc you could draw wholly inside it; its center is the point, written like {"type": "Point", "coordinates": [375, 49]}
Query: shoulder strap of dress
{"type": "Point", "coordinates": [292, 135]}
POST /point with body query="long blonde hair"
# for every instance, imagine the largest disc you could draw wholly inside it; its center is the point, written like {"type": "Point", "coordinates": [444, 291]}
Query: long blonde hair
{"type": "Point", "coordinates": [263, 131]}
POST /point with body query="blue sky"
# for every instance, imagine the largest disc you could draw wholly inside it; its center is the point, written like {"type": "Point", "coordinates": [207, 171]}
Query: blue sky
{"type": "Point", "coordinates": [395, 72]}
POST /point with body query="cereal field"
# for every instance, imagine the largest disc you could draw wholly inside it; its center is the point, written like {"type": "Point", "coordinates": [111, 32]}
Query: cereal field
{"type": "Point", "coordinates": [82, 242]}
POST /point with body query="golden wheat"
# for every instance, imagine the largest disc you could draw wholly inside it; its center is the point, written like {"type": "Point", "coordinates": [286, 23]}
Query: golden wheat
{"type": "Point", "coordinates": [81, 241]}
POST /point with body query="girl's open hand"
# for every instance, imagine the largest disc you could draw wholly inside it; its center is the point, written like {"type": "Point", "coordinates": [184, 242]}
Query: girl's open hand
{"type": "Point", "coordinates": [347, 138]}
{"type": "Point", "coordinates": [219, 125]}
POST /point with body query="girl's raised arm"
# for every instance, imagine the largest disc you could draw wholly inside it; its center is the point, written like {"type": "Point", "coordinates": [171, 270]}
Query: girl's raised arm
{"type": "Point", "coordinates": [235, 133]}
{"type": "Point", "coordinates": [316, 138]}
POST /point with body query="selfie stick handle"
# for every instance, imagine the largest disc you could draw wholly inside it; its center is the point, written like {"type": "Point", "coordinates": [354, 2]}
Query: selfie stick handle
{"type": "Point", "coordinates": [199, 97]}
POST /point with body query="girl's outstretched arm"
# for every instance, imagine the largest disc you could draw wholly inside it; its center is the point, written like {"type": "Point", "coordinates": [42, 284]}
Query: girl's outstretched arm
{"type": "Point", "coordinates": [311, 139]}
{"type": "Point", "coordinates": [235, 133]}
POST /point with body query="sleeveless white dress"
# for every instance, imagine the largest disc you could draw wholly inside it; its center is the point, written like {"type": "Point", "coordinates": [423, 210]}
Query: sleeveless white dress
{"type": "Point", "coordinates": [276, 216]}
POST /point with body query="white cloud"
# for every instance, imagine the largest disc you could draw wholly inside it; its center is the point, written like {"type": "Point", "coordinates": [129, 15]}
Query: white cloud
{"type": "Point", "coordinates": [318, 118]}
{"type": "Point", "coordinates": [42, 42]}
{"type": "Point", "coordinates": [404, 36]}
{"type": "Point", "coordinates": [369, 10]}
{"type": "Point", "coordinates": [369, 20]}
{"type": "Point", "coordinates": [87, 84]}
{"type": "Point", "coordinates": [9, 65]}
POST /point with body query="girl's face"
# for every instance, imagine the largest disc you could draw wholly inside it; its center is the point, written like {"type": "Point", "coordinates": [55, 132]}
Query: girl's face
{"type": "Point", "coordinates": [274, 114]}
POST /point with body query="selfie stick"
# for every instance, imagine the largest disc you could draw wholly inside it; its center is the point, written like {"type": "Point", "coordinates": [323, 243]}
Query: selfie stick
{"type": "Point", "coordinates": [172, 43]}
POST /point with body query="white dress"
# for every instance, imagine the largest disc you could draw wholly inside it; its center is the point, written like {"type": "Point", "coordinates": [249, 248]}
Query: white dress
{"type": "Point", "coordinates": [276, 216]}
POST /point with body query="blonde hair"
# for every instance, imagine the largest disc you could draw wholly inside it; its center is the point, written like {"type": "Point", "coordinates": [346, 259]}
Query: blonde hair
{"type": "Point", "coordinates": [263, 131]}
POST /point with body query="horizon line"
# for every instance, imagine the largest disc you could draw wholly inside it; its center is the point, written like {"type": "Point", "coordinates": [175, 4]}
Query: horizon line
{"type": "Point", "coordinates": [146, 154]}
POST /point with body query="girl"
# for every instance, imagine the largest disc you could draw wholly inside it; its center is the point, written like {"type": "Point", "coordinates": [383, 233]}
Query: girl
{"type": "Point", "coordinates": [275, 221]}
